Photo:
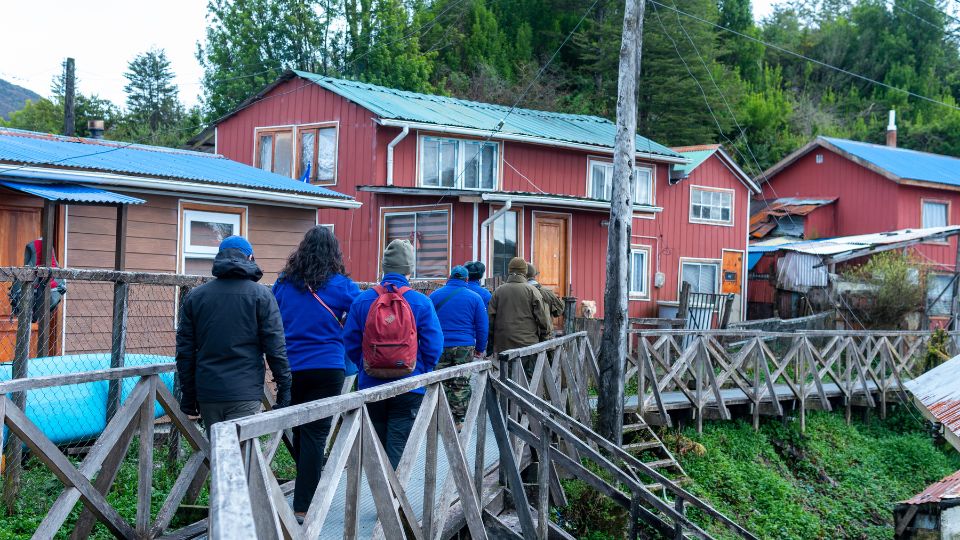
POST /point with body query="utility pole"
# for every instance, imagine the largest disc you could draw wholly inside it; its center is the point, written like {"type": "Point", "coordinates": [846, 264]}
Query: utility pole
{"type": "Point", "coordinates": [614, 344]}
{"type": "Point", "coordinates": [69, 119]}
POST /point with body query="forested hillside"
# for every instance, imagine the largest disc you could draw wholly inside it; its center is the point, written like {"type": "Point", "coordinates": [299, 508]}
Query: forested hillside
{"type": "Point", "coordinates": [14, 97]}
{"type": "Point", "coordinates": [706, 73]}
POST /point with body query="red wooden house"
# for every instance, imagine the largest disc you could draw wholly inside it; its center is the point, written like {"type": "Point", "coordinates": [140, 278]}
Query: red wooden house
{"type": "Point", "coordinates": [876, 188]}
{"type": "Point", "coordinates": [475, 181]}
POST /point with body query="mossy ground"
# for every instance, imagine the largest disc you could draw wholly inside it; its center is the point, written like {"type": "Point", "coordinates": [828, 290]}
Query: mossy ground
{"type": "Point", "coordinates": [836, 481]}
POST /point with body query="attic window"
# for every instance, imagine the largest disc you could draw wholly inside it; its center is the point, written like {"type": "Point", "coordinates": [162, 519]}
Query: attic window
{"type": "Point", "coordinates": [819, 159]}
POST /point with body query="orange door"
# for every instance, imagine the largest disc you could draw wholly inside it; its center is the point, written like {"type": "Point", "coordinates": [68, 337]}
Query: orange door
{"type": "Point", "coordinates": [732, 279]}
{"type": "Point", "coordinates": [550, 252]}
{"type": "Point", "coordinates": [18, 226]}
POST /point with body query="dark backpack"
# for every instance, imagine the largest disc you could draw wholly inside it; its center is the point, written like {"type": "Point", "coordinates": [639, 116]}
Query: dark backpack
{"type": "Point", "coordinates": [390, 335]}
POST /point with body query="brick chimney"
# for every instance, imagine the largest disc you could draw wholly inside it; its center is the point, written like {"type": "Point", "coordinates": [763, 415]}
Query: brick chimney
{"type": "Point", "coordinates": [892, 129]}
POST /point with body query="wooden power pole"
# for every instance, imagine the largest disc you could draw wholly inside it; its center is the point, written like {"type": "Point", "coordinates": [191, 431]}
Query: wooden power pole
{"type": "Point", "coordinates": [615, 318]}
{"type": "Point", "coordinates": [69, 89]}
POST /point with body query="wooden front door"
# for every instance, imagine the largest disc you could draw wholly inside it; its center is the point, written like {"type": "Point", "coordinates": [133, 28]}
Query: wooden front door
{"type": "Point", "coordinates": [18, 226]}
{"type": "Point", "coordinates": [550, 252]}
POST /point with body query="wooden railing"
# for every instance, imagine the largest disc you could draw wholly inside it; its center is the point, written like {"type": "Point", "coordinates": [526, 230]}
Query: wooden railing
{"type": "Point", "coordinates": [538, 422]}
{"type": "Point", "coordinates": [709, 372]}
{"type": "Point", "coordinates": [91, 480]}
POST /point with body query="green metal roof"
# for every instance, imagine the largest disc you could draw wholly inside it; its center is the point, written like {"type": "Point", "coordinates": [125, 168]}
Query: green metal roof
{"type": "Point", "coordinates": [696, 157]}
{"type": "Point", "coordinates": [389, 103]}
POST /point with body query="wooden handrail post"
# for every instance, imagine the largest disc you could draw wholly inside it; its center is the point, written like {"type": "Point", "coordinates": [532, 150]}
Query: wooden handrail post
{"type": "Point", "coordinates": [14, 452]}
{"type": "Point", "coordinates": [569, 315]}
{"type": "Point", "coordinates": [118, 347]}
{"type": "Point", "coordinates": [727, 307]}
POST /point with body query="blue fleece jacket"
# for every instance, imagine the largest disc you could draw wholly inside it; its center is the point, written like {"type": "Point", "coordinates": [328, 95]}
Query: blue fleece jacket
{"type": "Point", "coordinates": [314, 337]}
{"type": "Point", "coordinates": [485, 294]}
{"type": "Point", "coordinates": [463, 318]}
{"type": "Point", "coordinates": [429, 335]}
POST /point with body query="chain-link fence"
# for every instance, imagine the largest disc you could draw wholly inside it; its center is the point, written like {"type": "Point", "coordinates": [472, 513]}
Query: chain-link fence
{"type": "Point", "coordinates": [64, 324]}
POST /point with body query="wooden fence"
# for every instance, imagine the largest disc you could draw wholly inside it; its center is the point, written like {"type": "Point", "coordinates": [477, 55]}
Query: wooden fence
{"type": "Point", "coordinates": [540, 422]}
{"type": "Point", "coordinates": [708, 372]}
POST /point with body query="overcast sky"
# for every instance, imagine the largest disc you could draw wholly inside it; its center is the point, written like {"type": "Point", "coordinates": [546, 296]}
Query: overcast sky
{"type": "Point", "coordinates": [104, 35]}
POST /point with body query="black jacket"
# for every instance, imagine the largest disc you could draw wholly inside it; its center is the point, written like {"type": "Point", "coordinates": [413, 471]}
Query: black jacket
{"type": "Point", "coordinates": [226, 328]}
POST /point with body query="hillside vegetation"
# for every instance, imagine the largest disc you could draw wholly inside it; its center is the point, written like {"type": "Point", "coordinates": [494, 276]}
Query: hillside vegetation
{"type": "Point", "coordinates": [836, 481]}
{"type": "Point", "coordinates": [13, 97]}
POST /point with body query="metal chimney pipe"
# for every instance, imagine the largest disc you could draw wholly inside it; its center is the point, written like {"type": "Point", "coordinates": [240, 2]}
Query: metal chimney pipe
{"type": "Point", "coordinates": [95, 127]}
{"type": "Point", "coordinates": [892, 129]}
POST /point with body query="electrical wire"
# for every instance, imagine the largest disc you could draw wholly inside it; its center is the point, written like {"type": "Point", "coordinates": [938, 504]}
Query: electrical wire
{"type": "Point", "coordinates": [820, 63]}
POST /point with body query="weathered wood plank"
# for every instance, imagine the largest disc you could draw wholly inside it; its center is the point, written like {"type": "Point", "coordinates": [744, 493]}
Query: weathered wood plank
{"type": "Point", "coordinates": [457, 468]}
{"type": "Point", "coordinates": [145, 461]}
{"type": "Point", "coordinates": [48, 381]}
{"type": "Point", "coordinates": [376, 472]}
{"type": "Point", "coordinates": [330, 478]}
{"type": "Point", "coordinates": [231, 514]}
{"type": "Point", "coordinates": [177, 492]}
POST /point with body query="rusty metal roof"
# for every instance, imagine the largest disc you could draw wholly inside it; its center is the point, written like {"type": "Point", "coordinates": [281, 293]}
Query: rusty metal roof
{"type": "Point", "coordinates": [764, 220]}
{"type": "Point", "coordinates": [946, 488]}
{"type": "Point", "coordinates": [937, 394]}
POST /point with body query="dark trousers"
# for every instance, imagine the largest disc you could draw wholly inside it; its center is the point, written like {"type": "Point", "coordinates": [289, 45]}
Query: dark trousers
{"type": "Point", "coordinates": [393, 419]}
{"type": "Point", "coordinates": [213, 412]}
{"type": "Point", "coordinates": [309, 440]}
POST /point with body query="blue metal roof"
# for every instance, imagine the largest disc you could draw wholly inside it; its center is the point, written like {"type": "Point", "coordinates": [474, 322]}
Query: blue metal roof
{"type": "Point", "coordinates": [904, 163]}
{"type": "Point", "coordinates": [41, 149]}
{"type": "Point", "coordinates": [72, 193]}
{"type": "Point", "coordinates": [395, 104]}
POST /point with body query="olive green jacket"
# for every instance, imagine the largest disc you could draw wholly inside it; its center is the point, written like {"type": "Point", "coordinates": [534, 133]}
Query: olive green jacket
{"type": "Point", "coordinates": [518, 317]}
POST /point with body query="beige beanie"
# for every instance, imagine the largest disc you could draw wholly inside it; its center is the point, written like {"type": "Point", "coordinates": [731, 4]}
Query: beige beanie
{"type": "Point", "coordinates": [517, 266]}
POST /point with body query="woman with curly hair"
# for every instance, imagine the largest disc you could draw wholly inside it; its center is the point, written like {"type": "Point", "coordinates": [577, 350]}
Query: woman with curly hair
{"type": "Point", "coordinates": [314, 295]}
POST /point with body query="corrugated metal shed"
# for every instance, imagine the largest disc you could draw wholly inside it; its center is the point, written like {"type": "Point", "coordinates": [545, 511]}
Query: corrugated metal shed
{"type": "Point", "coordinates": [72, 193]}
{"type": "Point", "coordinates": [946, 488]}
{"type": "Point", "coordinates": [31, 148]}
{"type": "Point", "coordinates": [844, 244]}
{"type": "Point", "coordinates": [395, 104]}
{"type": "Point", "coordinates": [903, 163]}
{"type": "Point", "coordinates": [937, 394]}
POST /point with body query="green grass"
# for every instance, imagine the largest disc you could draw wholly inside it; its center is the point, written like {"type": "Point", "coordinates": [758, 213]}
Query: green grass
{"type": "Point", "coordinates": [836, 481]}
{"type": "Point", "coordinates": [40, 489]}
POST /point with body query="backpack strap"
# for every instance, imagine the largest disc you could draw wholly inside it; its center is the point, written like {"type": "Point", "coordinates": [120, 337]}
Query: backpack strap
{"type": "Point", "coordinates": [380, 289]}
{"type": "Point", "coordinates": [448, 298]}
{"type": "Point", "coordinates": [324, 304]}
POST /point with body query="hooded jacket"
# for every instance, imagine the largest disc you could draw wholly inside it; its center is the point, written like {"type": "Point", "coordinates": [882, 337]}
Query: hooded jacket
{"type": "Point", "coordinates": [226, 327]}
{"type": "Point", "coordinates": [482, 291]}
{"type": "Point", "coordinates": [550, 299]}
{"type": "Point", "coordinates": [314, 336]}
{"type": "Point", "coordinates": [517, 315]}
{"type": "Point", "coordinates": [463, 318]}
{"type": "Point", "coordinates": [429, 335]}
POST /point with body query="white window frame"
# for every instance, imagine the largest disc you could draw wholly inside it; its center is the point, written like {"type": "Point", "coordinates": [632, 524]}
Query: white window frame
{"type": "Point", "coordinates": [421, 209]}
{"type": "Point", "coordinates": [645, 293]}
{"type": "Point", "coordinates": [205, 252]}
{"type": "Point", "coordinates": [926, 295]}
{"type": "Point", "coordinates": [460, 167]}
{"type": "Point", "coordinates": [608, 180]}
{"type": "Point", "coordinates": [718, 263]}
{"type": "Point", "coordinates": [720, 222]}
{"type": "Point", "coordinates": [294, 130]}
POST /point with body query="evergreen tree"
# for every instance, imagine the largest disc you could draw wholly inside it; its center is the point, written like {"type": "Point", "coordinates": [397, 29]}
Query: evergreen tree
{"type": "Point", "coordinates": [151, 93]}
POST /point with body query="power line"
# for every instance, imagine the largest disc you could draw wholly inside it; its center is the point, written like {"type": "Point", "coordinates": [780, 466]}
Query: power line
{"type": "Point", "coordinates": [807, 58]}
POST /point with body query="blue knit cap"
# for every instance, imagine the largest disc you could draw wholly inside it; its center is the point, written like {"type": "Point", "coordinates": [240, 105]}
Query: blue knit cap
{"type": "Point", "coordinates": [237, 242]}
{"type": "Point", "coordinates": [459, 272]}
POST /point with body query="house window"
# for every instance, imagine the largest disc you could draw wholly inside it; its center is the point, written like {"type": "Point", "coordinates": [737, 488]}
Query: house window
{"type": "Point", "coordinates": [702, 276]}
{"type": "Point", "coordinates": [711, 206]}
{"type": "Point", "coordinates": [275, 151]}
{"type": "Point", "coordinates": [939, 294]}
{"type": "Point", "coordinates": [317, 152]}
{"type": "Point", "coordinates": [505, 235]}
{"type": "Point", "coordinates": [457, 163]}
{"type": "Point", "coordinates": [429, 232]}
{"type": "Point", "coordinates": [934, 214]}
{"type": "Point", "coordinates": [639, 272]}
{"type": "Point", "coordinates": [601, 182]}
{"type": "Point", "coordinates": [203, 230]}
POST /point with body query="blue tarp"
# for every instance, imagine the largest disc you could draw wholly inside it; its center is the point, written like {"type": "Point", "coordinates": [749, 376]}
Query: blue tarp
{"type": "Point", "coordinates": [78, 412]}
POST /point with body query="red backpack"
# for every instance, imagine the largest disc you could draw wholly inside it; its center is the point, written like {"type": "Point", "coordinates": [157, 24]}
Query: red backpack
{"type": "Point", "coordinates": [390, 335]}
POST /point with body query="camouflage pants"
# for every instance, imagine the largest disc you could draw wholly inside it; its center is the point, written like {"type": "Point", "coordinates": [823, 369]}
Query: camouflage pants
{"type": "Point", "coordinates": [458, 388]}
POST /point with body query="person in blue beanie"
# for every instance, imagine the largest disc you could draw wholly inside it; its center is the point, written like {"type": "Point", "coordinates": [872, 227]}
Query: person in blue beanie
{"type": "Point", "coordinates": [314, 295]}
{"type": "Point", "coordinates": [476, 269]}
{"type": "Point", "coordinates": [463, 319]}
{"type": "Point", "coordinates": [393, 418]}
{"type": "Point", "coordinates": [225, 329]}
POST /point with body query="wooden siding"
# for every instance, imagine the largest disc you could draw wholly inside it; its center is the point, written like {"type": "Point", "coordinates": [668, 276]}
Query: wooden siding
{"type": "Point", "coordinates": [362, 150]}
{"type": "Point", "coordinates": [867, 202]}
